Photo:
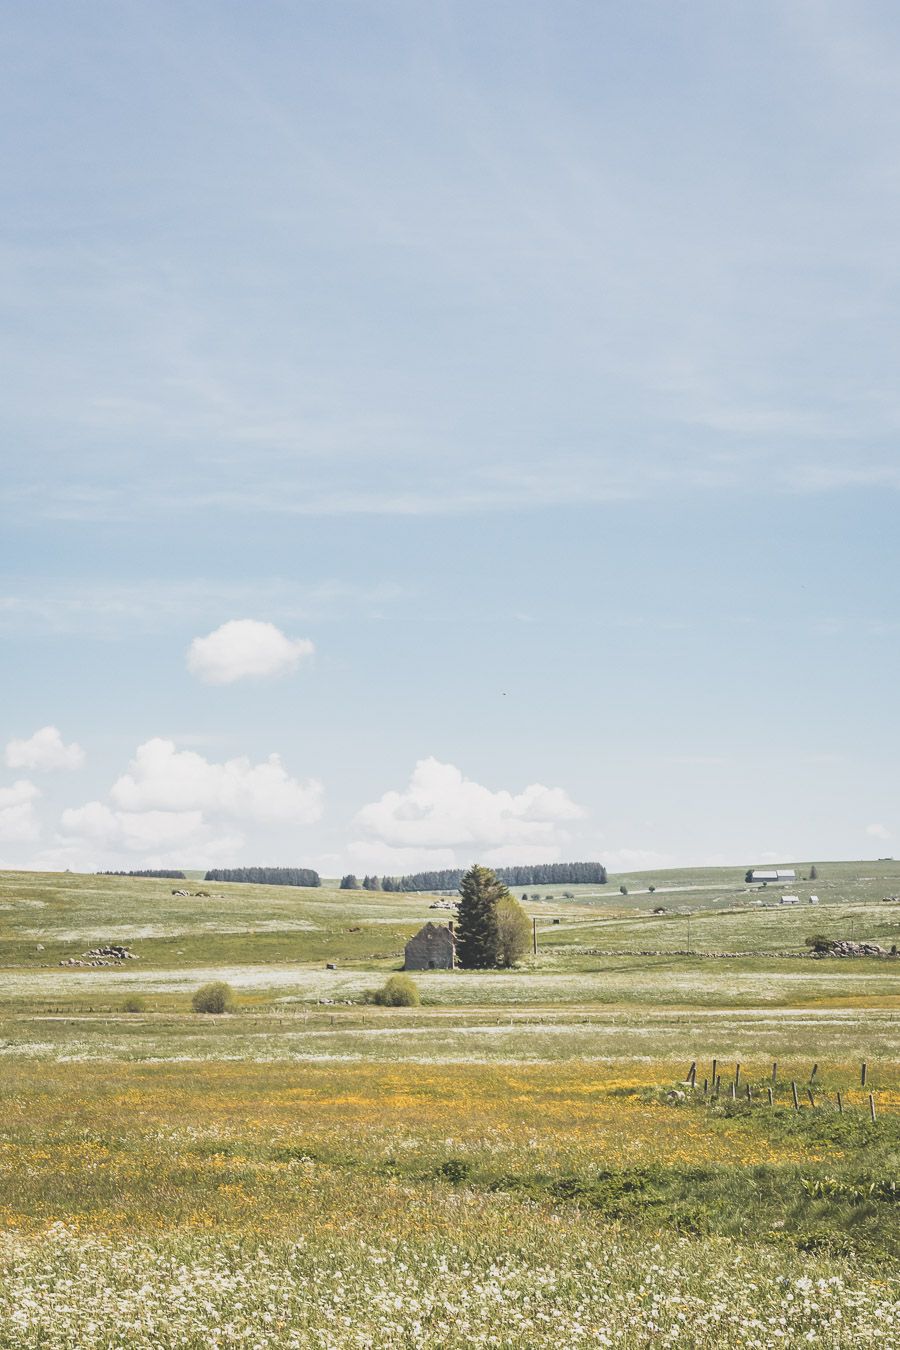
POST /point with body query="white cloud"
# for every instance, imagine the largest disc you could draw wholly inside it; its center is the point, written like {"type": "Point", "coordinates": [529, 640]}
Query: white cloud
{"type": "Point", "coordinates": [176, 808]}
{"type": "Point", "coordinates": [45, 750]}
{"type": "Point", "coordinates": [442, 819]}
{"type": "Point", "coordinates": [18, 822]}
{"type": "Point", "coordinates": [878, 831]}
{"type": "Point", "coordinates": [245, 649]}
{"type": "Point", "coordinates": [162, 778]}
{"type": "Point", "coordinates": [132, 830]}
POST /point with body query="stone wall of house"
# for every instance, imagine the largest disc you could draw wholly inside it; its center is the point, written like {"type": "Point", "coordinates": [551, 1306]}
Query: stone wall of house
{"type": "Point", "coordinates": [432, 948]}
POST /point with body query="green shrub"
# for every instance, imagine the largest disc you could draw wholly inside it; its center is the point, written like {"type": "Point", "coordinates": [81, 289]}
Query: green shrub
{"type": "Point", "coordinates": [820, 943]}
{"type": "Point", "coordinates": [133, 1004]}
{"type": "Point", "coordinates": [400, 991]}
{"type": "Point", "coordinates": [216, 997]}
{"type": "Point", "coordinates": [513, 930]}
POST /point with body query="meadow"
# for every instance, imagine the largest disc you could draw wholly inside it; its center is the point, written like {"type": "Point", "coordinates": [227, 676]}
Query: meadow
{"type": "Point", "coordinates": [519, 1162]}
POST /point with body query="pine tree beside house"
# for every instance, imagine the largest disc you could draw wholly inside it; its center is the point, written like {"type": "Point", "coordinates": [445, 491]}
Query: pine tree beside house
{"type": "Point", "coordinates": [477, 935]}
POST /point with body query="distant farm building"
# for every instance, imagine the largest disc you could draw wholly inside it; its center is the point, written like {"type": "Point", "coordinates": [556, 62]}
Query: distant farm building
{"type": "Point", "coordinates": [432, 948]}
{"type": "Point", "coordinates": [790, 899]}
{"type": "Point", "coordinates": [758, 875]}
{"type": "Point", "coordinates": [813, 899]}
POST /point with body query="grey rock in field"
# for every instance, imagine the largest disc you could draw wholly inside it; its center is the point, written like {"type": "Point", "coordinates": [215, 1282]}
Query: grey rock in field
{"type": "Point", "coordinates": [329, 965]}
{"type": "Point", "coordinates": [110, 955]}
{"type": "Point", "coordinates": [847, 948]}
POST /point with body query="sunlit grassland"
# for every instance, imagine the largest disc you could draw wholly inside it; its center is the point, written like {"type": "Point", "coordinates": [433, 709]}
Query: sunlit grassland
{"type": "Point", "coordinates": [82, 1144]}
{"type": "Point", "coordinates": [458, 1034]}
{"type": "Point", "coordinates": [46, 918]}
{"type": "Point", "coordinates": [361, 1205]}
{"type": "Point", "coordinates": [508, 1165]}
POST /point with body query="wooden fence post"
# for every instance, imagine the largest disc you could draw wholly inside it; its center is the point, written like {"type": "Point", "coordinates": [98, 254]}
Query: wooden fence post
{"type": "Point", "coordinates": [715, 1064]}
{"type": "Point", "coordinates": [734, 1091]}
{"type": "Point", "coordinates": [796, 1098]}
{"type": "Point", "coordinates": [840, 1104]}
{"type": "Point", "coordinates": [872, 1105]}
{"type": "Point", "coordinates": [769, 1090]}
{"type": "Point", "coordinates": [863, 1069]}
{"type": "Point", "coordinates": [692, 1074]}
{"type": "Point", "coordinates": [815, 1070]}
{"type": "Point", "coordinates": [774, 1070]}
{"type": "Point", "coordinates": [737, 1075]}
{"type": "Point", "coordinates": [809, 1093]}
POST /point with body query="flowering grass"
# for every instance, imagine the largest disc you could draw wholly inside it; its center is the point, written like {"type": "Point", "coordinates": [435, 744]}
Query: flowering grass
{"type": "Point", "coordinates": [396, 1267]}
{"type": "Point", "coordinates": [516, 1164]}
{"type": "Point", "coordinates": [239, 1146]}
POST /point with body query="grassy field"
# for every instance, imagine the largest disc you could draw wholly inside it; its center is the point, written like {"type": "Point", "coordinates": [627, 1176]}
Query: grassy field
{"type": "Point", "coordinates": [516, 1163]}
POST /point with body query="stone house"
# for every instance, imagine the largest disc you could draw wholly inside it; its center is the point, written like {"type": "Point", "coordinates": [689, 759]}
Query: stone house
{"type": "Point", "coordinates": [432, 948]}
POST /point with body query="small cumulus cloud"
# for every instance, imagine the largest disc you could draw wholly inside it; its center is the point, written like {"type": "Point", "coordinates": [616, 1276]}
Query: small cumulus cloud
{"type": "Point", "coordinates": [176, 807]}
{"type": "Point", "coordinates": [443, 819]}
{"type": "Point", "coordinates": [132, 830]}
{"type": "Point", "coordinates": [878, 831]}
{"type": "Point", "coordinates": [18, 821]}
{"type": "Point", "coordinates": [44, 751]}
{"type": "Point", "coordinates": [163, 778]}
{"type": "Point", "coordinates": [246, 649]}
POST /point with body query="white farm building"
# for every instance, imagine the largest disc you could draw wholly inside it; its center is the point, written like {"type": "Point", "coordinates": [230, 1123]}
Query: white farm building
{"type": "Point", "coordinates": [758, 875]}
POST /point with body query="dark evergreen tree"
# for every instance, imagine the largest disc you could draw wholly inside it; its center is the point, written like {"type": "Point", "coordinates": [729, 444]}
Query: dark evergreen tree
{"type": "Point", "coordinates": [544, 874]}
{"type": "Point", "coordinates": [371, 883]}
{"type": "Point", "coordinates": [266, 876]}
{"type": "Point", "coordinates": [478, 938]}
{"type": "Point", "coordinates": [349, 883]}
{"type": "Point", "coordinates": [146, 872]}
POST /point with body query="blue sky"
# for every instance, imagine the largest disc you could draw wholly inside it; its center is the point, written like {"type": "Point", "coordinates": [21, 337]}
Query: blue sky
{"type": "Point", "coordinates": [535, 363]}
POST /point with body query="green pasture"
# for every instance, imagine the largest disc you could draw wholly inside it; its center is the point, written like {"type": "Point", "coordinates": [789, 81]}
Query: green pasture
{"type": "Point", "coordinates": [47, 918]}
{"type": "Point", "coordinates": [517, 1162]}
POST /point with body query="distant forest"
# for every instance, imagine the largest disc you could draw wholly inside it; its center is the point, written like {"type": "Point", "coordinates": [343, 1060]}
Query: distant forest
{"type": "Point", "coordinates": [543, 874]}
{"type": "Point", "coordinates": [146, 872]}
{"type": "Point", "coordinates": [265, 876]}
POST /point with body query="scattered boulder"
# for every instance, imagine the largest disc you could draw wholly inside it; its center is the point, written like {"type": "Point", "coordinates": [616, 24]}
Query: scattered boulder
{"type": "Point", "coordinates": [113, 954]}
{"type": "Point", "coordinates": [845, 947]}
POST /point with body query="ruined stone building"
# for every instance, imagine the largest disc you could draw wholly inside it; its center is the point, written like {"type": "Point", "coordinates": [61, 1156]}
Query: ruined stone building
{"type": "Point", "coordinates": [432, 948]}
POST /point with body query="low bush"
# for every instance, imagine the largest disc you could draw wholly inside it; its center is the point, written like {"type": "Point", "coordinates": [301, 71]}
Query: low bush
{"type": "Point", "coordinates": [216, 997]}
{"type": "Point", "coordinates": [133, 1004]}
{"type": "Point", "coordinates": [400, 991]}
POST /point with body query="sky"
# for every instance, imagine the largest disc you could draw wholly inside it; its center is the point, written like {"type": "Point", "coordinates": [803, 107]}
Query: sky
{"type": "Point", "coordinates": [447, 432]}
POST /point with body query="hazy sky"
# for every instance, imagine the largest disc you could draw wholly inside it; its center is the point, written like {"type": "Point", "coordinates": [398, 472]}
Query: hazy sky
{"type": "Point", "coordinates": [437, 431]}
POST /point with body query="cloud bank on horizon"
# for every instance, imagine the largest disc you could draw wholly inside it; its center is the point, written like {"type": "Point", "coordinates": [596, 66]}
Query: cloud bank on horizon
{"type": "Point", "coordinates": [175, 808]}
